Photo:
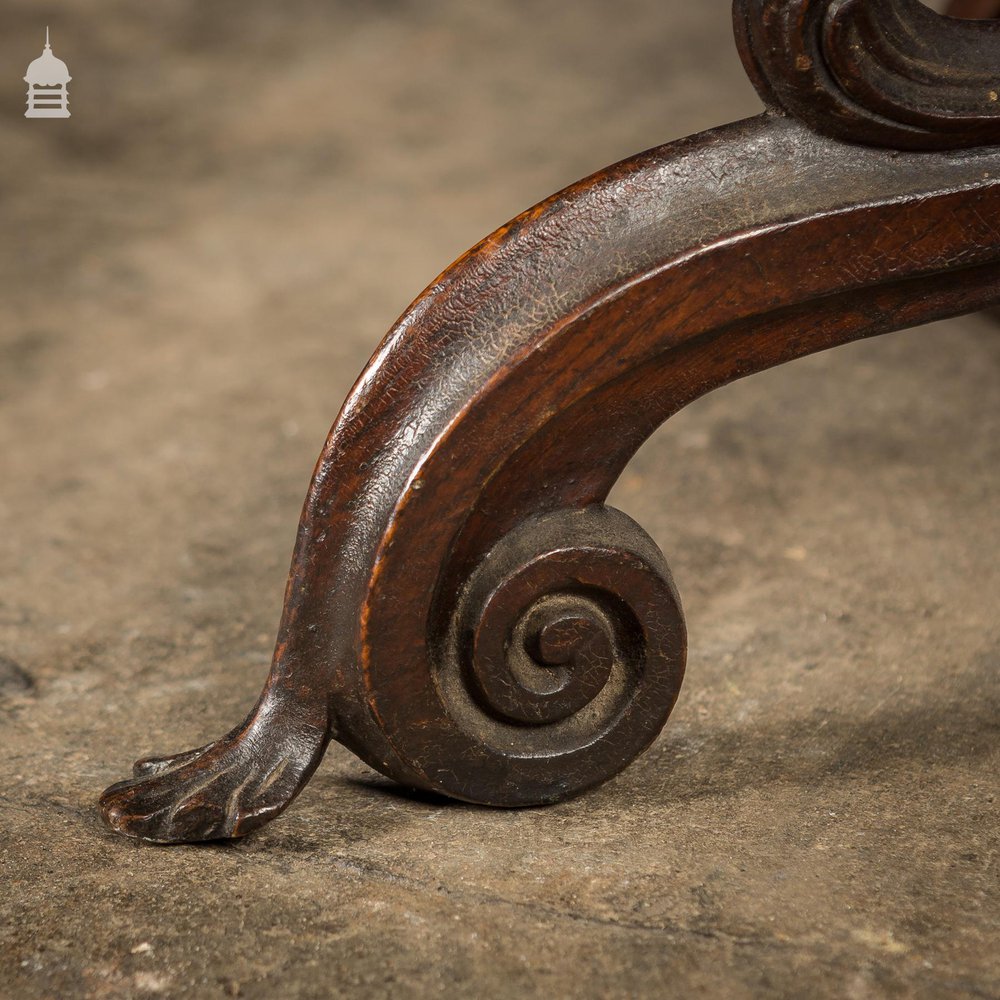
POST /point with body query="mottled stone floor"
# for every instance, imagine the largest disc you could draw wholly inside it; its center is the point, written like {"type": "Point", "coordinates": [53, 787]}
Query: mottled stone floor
{"type": "Point", "coordinates": [194, 268]}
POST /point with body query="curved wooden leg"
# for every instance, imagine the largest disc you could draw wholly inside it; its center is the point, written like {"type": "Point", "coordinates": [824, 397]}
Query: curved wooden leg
{"type": "Point", "coordinates": [463, 610]}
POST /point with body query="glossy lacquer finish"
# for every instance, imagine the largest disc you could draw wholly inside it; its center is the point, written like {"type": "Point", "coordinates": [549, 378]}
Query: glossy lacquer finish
{"type": "Point", "coordinates": [463, 611]}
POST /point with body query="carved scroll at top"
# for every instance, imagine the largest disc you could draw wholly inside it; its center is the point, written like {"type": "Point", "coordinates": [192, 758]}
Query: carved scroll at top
{"type": "Point", "coordinates": [881, 72]}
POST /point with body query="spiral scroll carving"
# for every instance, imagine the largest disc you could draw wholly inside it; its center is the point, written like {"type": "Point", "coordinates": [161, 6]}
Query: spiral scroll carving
{"type": "Point", "coordinates": [881, 72]}
{"type": "Point", "coordinates": [569, 638]}
{"type": "Point", "coordinates": [463, 611]}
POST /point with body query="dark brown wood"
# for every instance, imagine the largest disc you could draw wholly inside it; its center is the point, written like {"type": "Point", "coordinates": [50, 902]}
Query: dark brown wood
{"type": "Point", "coordinates": [973, 9]}
{"type": "Point", "coordinates": [463, 611]}
{"type": "Point", "coordinates": [886, 72]}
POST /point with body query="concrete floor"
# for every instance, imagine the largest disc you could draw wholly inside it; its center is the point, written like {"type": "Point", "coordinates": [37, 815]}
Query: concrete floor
{"type": "Point", "coordinates": [194, 268]}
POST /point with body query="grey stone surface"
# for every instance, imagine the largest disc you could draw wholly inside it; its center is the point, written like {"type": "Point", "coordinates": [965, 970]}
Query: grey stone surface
{"type": "Point", "coordinates": [194, 267]}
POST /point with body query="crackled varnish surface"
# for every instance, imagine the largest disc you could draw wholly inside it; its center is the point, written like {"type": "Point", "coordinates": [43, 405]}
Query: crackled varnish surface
{"type": "Point", "coordinates": [463, 611]}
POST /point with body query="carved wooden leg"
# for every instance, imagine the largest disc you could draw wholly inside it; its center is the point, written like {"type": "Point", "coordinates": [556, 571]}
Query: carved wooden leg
{"type": "Point", "coordinates": [463, 610]}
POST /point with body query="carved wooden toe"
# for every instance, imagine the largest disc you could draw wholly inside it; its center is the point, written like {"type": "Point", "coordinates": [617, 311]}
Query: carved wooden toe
{"type": "Point", "coordinates": [463, 611]}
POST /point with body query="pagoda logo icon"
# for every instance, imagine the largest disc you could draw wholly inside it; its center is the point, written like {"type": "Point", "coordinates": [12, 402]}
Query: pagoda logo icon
{"type": "Point", "coordinates": [47, 79]}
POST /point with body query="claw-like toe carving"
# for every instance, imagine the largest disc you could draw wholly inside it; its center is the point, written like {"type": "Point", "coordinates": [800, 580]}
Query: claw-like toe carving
{"type": "Point", "coordinates": [462, 609]}
{"type": "Point", "coordinates": [222, 790]}
{"type": "Point", "coordinates": [146, 766]}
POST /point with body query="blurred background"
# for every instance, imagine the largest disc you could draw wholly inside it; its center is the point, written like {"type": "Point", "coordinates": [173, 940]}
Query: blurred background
{"type": "Point", "coordinates": [199, 261]}
{"type": "Point", "coordinates": [194, 268]}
